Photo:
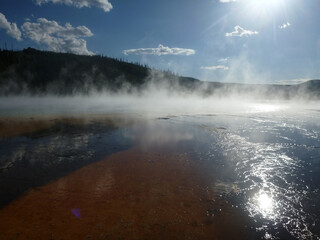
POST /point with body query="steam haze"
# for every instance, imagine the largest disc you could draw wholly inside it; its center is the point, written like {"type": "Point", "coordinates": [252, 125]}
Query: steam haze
{"type": "Point", "coordinates": [159, 119]}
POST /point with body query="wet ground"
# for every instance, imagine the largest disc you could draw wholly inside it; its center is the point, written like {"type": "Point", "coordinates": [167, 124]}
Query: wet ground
{"type": "Point", "coordinates": [247, 176]}
{"type": "Point", "coordinates": [34, 152]}
{"type": "Point", "coordinates": [60, 183]}
{"type": "Point", "coordinates": [129, 195]}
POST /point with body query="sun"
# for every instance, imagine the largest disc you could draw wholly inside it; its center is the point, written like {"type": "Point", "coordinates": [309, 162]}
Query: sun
{"type": "Point", "coordinates": [261, 4]}
{"type": "Point", "coordinates": [263, 7]}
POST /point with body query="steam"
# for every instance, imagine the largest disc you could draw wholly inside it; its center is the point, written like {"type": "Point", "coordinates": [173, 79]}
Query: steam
{"type": "Point", "coordinates": [158, 94]}
{"type": "Point", "coordinates": [156, 98]}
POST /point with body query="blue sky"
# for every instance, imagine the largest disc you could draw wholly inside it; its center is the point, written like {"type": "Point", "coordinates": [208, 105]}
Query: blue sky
{"type": "Point", "coordinates": [256, 41]}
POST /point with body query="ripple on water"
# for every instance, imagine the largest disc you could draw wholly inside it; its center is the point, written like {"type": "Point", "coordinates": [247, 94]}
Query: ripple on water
{"type": "Point", "coordinates": [274, 160]}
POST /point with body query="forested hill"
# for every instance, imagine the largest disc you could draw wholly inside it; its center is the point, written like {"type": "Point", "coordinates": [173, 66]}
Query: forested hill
{"type": "Point", "coordinates": [37, 72]}
{"type": "Point", "coordinates": [41, 72]}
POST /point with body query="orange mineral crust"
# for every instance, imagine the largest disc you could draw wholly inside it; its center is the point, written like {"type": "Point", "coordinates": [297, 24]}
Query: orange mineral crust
{"type": "Point", "coordinates": [16, 126]}
{"type": "Point", "coordinates": [130, 195]}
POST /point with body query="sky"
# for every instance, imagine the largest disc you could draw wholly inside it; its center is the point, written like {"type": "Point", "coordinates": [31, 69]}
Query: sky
{"type": "Point", "coordinates": [246, 41]}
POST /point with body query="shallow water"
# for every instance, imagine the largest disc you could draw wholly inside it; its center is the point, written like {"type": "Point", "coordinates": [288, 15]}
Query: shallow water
{"type": "Point", "coordinates": [33, 159]}
{"type": "Point", "coordinates": [263, 160]}
{"type": "Point", "coordinates": [269, 165]}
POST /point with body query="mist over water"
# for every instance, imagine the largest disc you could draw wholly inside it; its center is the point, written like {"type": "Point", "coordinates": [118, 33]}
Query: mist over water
{"type": "Point", "coordinates": [212, 133]}
{"type": "Point", "coordinates": [264, 153]}
{"type": "Point", "coordinates": [153, 101]}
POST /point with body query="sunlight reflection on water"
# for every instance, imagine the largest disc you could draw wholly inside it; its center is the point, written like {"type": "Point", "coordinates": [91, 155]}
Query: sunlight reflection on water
{"type": "Point", "coordinates": [266, 107]}
{"type": "Point", "coordinates": [265, 204]}
{"type": "Point", "coordinates": [273, 152]}
{"type": "Point", "coordinates": [265, 155]}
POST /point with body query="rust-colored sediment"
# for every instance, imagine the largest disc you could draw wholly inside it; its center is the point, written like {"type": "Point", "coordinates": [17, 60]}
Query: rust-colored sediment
{"type": "Point", "coordinates": [15, 126]}
{"type": "Point", "coordinates": [129, 195]}
{"type": "Point", "coordinates": [12, 127]}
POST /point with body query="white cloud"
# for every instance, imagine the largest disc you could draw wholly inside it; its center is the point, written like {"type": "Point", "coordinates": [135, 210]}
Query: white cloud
{"type": "Point", "coordinates": [218, 67]}
{"type": "Point", "coordinates": [285, 25]}
{"type": "Point", "coordinates": [58, 38]}
{"type": "Point", "coordinates": [160, 50]}
{"type": "Point", "coordinates": [241, 32]}
{"type": "Point", "coordinates": [223, 60]}
{"type": "Point", "coordinates": [11, 28]}
{"type": "Point", "coordinates": [104, 4]}
{"type": "Point", "coordinates": [227, 1]}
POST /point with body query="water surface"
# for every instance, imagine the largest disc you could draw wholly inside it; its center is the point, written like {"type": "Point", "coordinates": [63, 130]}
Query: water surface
{"type": "Point", "coordinates": [259, 162]}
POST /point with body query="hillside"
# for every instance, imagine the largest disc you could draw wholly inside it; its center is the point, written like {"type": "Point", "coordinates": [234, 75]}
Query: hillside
{"type": "Point", "coordinates": [41, 72]}
{"type": "Point", "coordinates": [62, 73]}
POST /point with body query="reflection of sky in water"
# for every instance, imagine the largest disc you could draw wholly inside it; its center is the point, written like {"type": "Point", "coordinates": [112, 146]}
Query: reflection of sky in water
{"type": "Point", "coordinates": [266, 156]}
{"type": "Point", "coordinates": [159, 134]}
{"type": "Point", "coordinates": [56, 148]}
{"type": "Point", "coordinates": [40, 157]}
{"type": "Point", "coordinates": [273, 159]}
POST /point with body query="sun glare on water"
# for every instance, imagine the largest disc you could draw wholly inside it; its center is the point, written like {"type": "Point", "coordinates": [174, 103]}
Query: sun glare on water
{"type": "Point", "coordinates": [265, 202]}
{"type": "Point", "coordinates": [265, 205]}
{"type": "Point", "coordinates": [265, 107]}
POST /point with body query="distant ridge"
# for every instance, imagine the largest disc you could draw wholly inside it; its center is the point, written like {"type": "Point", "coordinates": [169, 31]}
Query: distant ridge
{"type": "Point", "coordinates": [35, 72]}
